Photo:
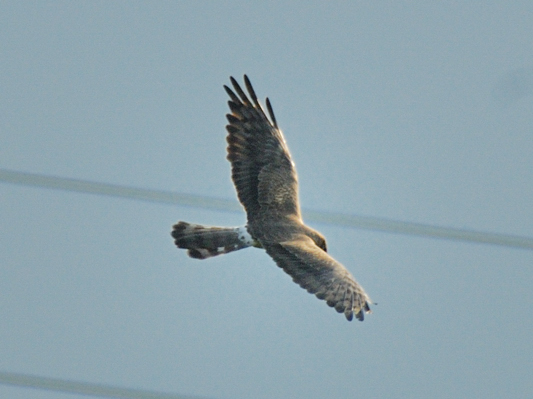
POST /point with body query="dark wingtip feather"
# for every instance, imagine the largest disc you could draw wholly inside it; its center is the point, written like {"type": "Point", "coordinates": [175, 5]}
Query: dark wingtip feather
{"type": "Point", "coordinates": [231, 129]}
{"type": "Point", "coordinates": [232, 95]}
{"type": "Point", "coordinates": [271, 113]}
{"type": "Point", "coordinates": [251, 91]}
{"type": "Point", "coordinates": [234, 107]}
{"type": "Point", "coordinates": [232, 119]}
{"type": "Point", "coordinates": [240, 92]}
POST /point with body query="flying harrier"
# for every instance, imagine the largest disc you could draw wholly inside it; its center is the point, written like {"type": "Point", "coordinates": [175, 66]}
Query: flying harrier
{"type": "Point", "coordinates": [267, 186]}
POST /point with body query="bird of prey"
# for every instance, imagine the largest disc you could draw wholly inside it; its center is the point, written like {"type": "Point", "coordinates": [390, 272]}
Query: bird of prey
{"type": "Point", "coordinates": [267, 186]}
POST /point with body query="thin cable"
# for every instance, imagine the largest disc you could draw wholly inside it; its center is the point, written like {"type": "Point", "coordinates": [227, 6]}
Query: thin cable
{"type": "Point", "coordinates": [332, 218]}
{"type": "Point", "coordinates": [113, 190]}
{"type": "Point", "coordinates": [82, 388]}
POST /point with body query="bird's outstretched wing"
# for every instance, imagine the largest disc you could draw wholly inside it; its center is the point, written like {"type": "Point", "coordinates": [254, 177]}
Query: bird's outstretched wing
{"type": "Point", "coordinates": [261, 166]}
{"type": "Point", "coordinates": [320, 274]}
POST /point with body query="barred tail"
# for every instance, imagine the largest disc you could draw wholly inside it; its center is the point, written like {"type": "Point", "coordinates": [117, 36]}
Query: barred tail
{"type": "Point", "coordinates": [203, 242]}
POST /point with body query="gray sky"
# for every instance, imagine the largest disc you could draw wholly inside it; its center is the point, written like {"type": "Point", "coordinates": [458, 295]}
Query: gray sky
{"type": "Point", "coordinates": [419, 111]}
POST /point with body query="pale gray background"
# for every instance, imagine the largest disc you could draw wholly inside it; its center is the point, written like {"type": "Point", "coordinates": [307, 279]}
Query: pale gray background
{"type": "Point", "coordinates": [418, 111]}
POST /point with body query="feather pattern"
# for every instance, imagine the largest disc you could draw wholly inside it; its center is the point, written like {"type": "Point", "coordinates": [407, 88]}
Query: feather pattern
{"type": "Point", "coordinates": [320, 274]}
{"type": "Point", "coordinates": [262, 170]}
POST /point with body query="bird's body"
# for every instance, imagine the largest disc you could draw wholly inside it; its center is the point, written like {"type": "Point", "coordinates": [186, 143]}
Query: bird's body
{"type": "Point", "coordinates": [267, 186]}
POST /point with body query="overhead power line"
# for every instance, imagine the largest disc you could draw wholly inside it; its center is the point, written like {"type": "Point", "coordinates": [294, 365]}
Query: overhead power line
{"type": "Point", "coordinates": [113, 190]}
{"type": "Point", "coordinates": [333, 218]}
{"type": "Point", "coordinates": [82, 388]}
